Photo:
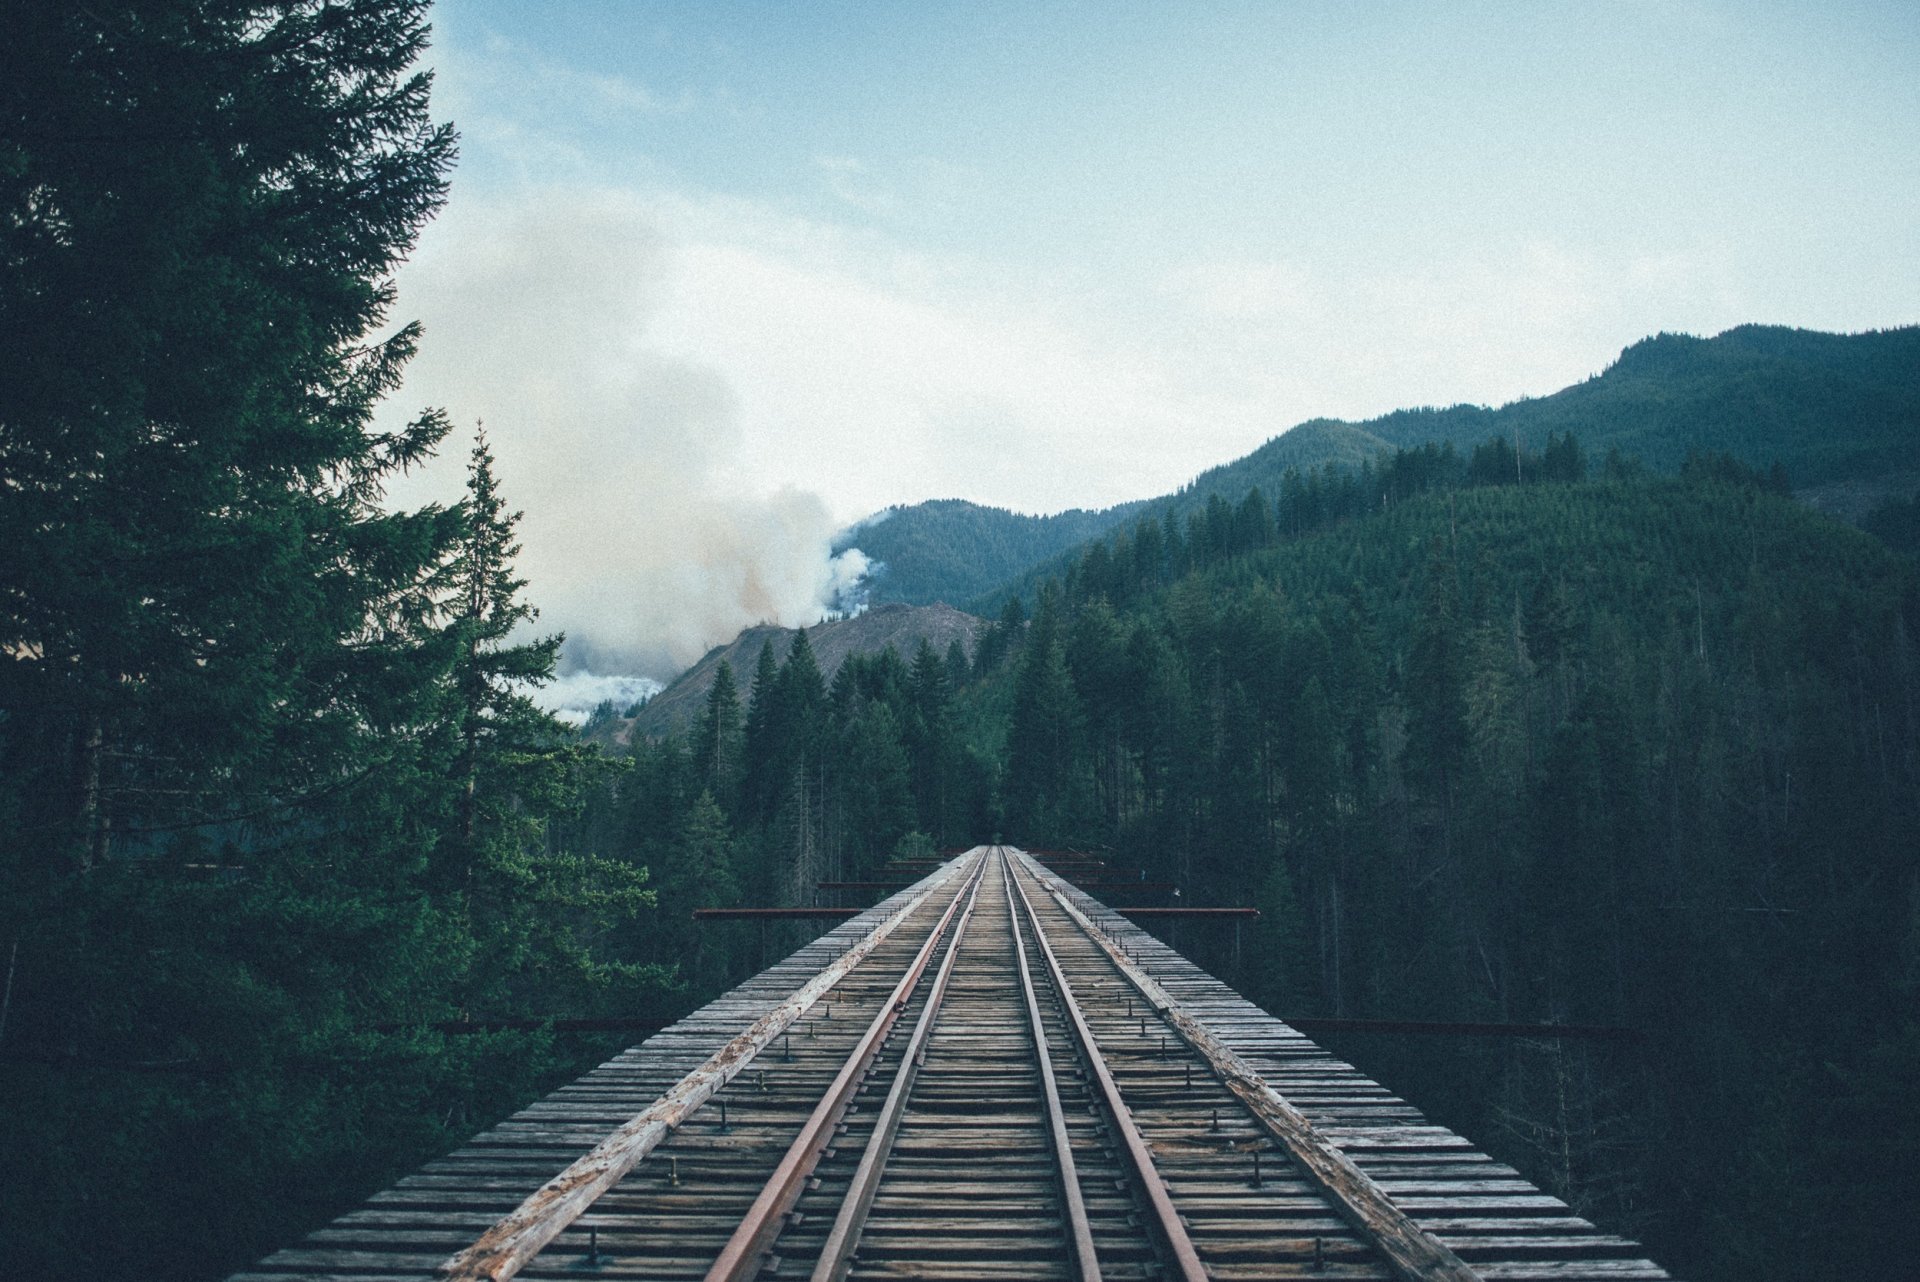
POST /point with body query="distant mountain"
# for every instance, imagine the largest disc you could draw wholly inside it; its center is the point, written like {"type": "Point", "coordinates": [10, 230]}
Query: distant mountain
{"type": "Point", "coordinates": [899, 626]}
{"type": "Point", "coordinates": [953, 550]}
{"type": "Point", "coordinates": [1841, 412]}
{"type": "Point", "coordinates": [1829, 407]}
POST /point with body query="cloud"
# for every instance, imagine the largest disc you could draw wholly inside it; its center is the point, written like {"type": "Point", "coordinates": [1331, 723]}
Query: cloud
{"type": "Point", "coordinates": [638, 539]}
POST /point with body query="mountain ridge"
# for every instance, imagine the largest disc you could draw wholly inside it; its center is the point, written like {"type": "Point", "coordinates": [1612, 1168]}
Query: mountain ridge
{"type": "Point", "coordinates": [898, 625]}
{"type": "Point", "coordinates": [1840, 411]}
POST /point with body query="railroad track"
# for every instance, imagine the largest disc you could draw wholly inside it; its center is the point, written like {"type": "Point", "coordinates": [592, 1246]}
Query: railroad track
{"type": "Point", "coordinates": [995, 1080]}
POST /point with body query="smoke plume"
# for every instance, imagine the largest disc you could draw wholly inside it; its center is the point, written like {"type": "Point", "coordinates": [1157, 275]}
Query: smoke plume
{"type": "Point", "coordinates": [635, 544]}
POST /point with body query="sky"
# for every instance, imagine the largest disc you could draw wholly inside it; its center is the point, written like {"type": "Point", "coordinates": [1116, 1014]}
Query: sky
{"type": "Point", "coordinates": [721, 278]}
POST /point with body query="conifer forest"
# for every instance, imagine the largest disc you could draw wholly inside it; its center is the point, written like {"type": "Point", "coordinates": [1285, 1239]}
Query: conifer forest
{"type": "Point", "coordinates": [299, 886]}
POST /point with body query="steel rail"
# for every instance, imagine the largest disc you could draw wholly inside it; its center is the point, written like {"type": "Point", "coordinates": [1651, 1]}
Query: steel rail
{"type": "Point", "coordinates": [1413, 1253]}
{"type": "Point", "coordinates": [837, 1254]}
{"type": "Point", "coordinates": [1184, 1258]}
{"type": "Point", "coordinates": [1080, 1229]}
{"type": "Point", "coordinates": [745, 1252]}
{"type": "Point", "coordinates": [504, 1249]}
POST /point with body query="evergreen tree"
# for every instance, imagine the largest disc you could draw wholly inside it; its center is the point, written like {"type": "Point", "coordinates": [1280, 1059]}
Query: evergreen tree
{"type": "Point", "coordinates": [958, 669]}
{"type": "Point", "coordinates": [536, 908]}
{"type": "Point", "coordinates": [718, 737]}
{"type": "Point", "coordinates": [1043, 735]}
{"type": "Point", "coordinates": [201, 582]}
{"type": "Point", "coordinates": [929, 733]}
{"type": "Point", "coordinates": [495, 718]}
{"type": "Point", "coordinates": [763, 740]}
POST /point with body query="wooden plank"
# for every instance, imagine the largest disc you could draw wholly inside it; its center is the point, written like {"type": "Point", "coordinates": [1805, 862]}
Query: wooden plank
{"type": "Point", "coordinates": [1414, 1253]}
{"type": "Point", "coordinates": [505, 1248]}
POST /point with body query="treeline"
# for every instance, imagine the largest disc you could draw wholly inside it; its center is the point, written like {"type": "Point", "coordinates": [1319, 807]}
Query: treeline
{"type": "Point", "coordinates": [1161, 548]}
{"type": "Point", "coordinates": [273, 799]}
{"type": "Point", "coordinates": [954, 551]}
{"type": "Point", "coordinates": [1635, 750]}
{"type": "Point", "coordinates": [1828, 406]}
{"type": "Point", "coordinates": [794, 782]}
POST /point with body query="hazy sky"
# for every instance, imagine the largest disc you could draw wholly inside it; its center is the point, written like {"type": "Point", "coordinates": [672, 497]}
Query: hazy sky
{"type": "Point", "coordinates": [720, 277]}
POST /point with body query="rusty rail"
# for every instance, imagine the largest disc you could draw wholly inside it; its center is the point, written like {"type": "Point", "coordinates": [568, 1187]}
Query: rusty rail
{"type": "Point", "coordinates": [1080, 1229]}
{"type": "Point", "coordinates": [845, 1235]}
{"type": "Point", "coordinates": [1414, 1254]}
{"type": "Point", "coordinates": [745, 1252]}
{"type": "Point", "coordinates": [505, 1248]}
{"type": "Point", "coordinates": [1173, 1232]}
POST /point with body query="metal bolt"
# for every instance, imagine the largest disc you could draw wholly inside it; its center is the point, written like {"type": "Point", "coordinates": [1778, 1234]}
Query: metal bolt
{"type": "Point", "coordinates": [723, 1116]}
{"type": "Point", "coordinates": [1257, 1181]}
{"type": "Point", "coordinates": [763, 1081]}
{"type": "Point", "coordinates": [786, 1048]}
{"type": "Point", "coordinates": [1216, 1121]}
{"type": "Point", "coordinates": [1319, 1255]}
{"type": "Point", "coordinates": [673, 1172]}
{"type": "Point", "coordinates": [593, 1245]}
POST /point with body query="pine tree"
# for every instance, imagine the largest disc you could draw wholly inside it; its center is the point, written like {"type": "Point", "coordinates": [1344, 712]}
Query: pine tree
{"type": "Point", "coordinates": [496, 720]}
{"type": "Point", "coordinates": [929, 734]}
{"type": "Point", "coordinates": [958, 668]}
{"type": "Point", "coordinates": [763, 774]}
{"type": "Point", "coordinates": [1043, 737]}
{"type": "Point", "coordinates": [200, 574]}
{"type": "Point", "coordinates": [717, 738]}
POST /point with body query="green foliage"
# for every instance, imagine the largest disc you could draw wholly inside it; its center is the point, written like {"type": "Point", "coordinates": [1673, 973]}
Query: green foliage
{"type": "Point", "coordinates": [1528, 751]}
{"type": "Point", "coordinates": [272, 794]}
{"type": "Point", "coordinates": [1896, 523]}
{"type": "Point", "coordinates": [954, 551]}
{"type": "Point", "coordinates": [1812, 407]}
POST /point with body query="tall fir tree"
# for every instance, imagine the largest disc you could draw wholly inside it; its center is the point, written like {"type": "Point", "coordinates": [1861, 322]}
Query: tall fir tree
{"type": "Point", "coordinates": [717, 738]}
{"type": "Point", "coordinates": [202, 581]}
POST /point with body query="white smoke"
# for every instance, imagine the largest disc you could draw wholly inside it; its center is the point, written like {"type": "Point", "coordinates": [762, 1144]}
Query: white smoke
{"type": "Point", "coordinates": [573, 697]}
{"type": "Point", "coordinates": [635, 541]}
{"type": "Point", "coordinates": [852, 571]}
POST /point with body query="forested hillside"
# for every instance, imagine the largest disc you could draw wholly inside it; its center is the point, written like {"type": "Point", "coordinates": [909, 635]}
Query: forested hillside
{"type": "Point", "coordinates": [1604, 748]}
{"type": "Point", "coordinates": [953, 551]}
{"type": "Point", "coordinates": [1838, 413]}
{"type": "Point", "coordinates": [899, 627]}
{"type": "Point", "coordinates": [1503, 723]}
{"type": "Point", "coordinates": [1633, 750]}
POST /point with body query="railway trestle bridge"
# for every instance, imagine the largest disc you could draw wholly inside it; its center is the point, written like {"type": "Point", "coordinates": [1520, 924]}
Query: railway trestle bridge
{"type": "Point", "coordinates": [988, 1075]}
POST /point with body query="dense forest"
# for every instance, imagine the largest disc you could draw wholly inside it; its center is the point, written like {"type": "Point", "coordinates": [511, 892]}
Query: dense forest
{"type": "Point", "coordinates": [1487, 737]}
{"type": "Point", "coordinates": [953, 551]}
{"type": "Point", "coordinates": [298, 877]}
{"type": "Point", "coordinates": [1836, 411]}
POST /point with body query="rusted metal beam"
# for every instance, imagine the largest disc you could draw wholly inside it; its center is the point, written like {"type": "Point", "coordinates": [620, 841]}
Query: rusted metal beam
{"type": "Point", "coordinates": [460, 1026]}
{"type": "Point", "coordinates": [865, 1185]}
{"type": "Point", "coordinates": [1225, 914]}
{"type": "Point", "coordinates": [1595, 1032]}
{"type": "Point", "coordinates": [1072, 1198]}
{"type": "Point", "coordinates": [1158, 886]}
{"type": "Point", "coordinates": [1131, 1144]}
{"type": "Point", "coordinates": [775, 914]}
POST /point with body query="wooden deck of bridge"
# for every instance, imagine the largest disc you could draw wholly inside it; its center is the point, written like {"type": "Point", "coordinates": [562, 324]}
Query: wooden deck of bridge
{"type": "Point", "coordinates": [1500, 1224]}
